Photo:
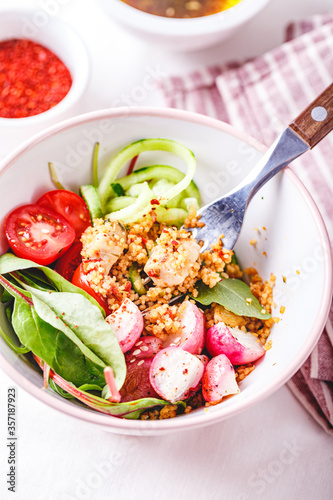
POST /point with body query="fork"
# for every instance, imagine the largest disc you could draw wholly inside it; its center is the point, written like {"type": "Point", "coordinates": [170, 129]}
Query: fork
{"type": "Point", "coordinates": [225, 215]}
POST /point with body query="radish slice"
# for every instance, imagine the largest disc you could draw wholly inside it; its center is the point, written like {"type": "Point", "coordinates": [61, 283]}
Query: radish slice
{"type": "Point", "coordinates": [238, 346]}
{"type": "Point", "coordinates": [137, 384]}
{"type": "Point", "coordinates": [127, 324]}
{"type": "Point", "coordinates": [191, 336]}
{"type": "Point", "coordinates": [146, 347]}
{"type": "Point", "coordinates": [174, 372]}
{"type": "Point", "coordinates": [219, 379]}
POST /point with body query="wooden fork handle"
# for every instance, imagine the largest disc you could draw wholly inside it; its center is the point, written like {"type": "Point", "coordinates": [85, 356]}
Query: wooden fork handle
{"type": "Point", "coordinates": [316, 120]}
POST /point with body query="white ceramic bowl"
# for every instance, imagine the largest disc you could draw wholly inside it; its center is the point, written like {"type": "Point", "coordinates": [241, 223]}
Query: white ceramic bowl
{"type": "Point", "coordinates": [62, 40]}
{"type": "Point", "coordinates": [183, 34]}
{"type": "Point", "coordinates": [295, 239]}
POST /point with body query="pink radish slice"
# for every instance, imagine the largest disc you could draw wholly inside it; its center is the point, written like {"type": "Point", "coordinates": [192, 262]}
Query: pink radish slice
{"type": "Point", "coordinates": [238, 346]}
{"type": "Point", "coordinates": [146, 347]}
{"type": "Point", "coordinates": [174, 372]}
{"type": "Point", "coordinates": [219, 379]}
{"type": "Point", "coordinates": [127, 324]}
{"type": "Point", "coordinates": [137, 384]}
{"type": "Point", "coordinates": [191, 336]}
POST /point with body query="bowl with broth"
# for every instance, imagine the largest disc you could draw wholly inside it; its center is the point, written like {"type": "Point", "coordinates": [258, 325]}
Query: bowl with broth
{"type": "Point", "coordinates": [182, 9]}
{"type": "Point", "coordinates": [182, 24]}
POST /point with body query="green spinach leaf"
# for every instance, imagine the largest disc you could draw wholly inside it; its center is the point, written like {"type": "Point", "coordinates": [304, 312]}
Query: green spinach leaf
{"type": "Point", "coordinates": [9, 263]}
{"type": "Point", "coordinates": [75, 316]}
{"type": "Point", "coordinates": [14, 347]}
{"type": "Point", "coordinates": [73, 361]}
{"type": "Point", "coordinates": [53, 339]}
{"type": "Point", "coordinates": [234, 295]}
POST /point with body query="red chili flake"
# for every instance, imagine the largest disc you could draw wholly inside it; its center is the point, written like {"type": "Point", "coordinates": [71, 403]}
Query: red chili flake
{"type": "Point", "coordinates": [153, 274]}
{"type": "Point", "coordinates": [32, 79]}
{"type": "Point", "coordinates": [154, 202]}
{"type": "Point", "coordinates": [116, 293]}
{"type": "Point", "coordinates": [170, 313]}
{"type": "Point", "coordinates": [162, 369]}
{"type": "Point", "coordinates": [185, 371]}
{"type": "Point", "coordinates": [144, 241]}
{"type": "Point", "coordinates": [128, 286]}
{"type": "Point", "coordinates": [175, 242]}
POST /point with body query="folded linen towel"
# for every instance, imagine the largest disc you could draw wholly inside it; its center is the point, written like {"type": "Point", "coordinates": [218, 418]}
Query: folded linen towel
{"type": "Point", "coordinates": [261, 97]}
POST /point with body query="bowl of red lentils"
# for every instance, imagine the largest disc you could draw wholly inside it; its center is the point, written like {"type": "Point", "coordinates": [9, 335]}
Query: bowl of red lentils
{"type": "Point", "coordinates": [44, 72]}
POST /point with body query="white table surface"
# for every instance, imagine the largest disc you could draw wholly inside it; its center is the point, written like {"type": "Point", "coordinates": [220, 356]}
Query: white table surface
{"type": "Point", "coordinates": [273, 450]}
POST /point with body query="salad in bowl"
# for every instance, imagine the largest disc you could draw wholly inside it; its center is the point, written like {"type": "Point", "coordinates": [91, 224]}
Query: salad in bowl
{"type": "Point", "coordinates": [113, 298]}
{"type": "Point", "coordinates": [150, 318]}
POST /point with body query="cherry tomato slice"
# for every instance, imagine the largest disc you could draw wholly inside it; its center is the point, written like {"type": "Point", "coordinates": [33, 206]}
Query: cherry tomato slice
{"type": "Point", "coordinates": [71, 259]}
{"type": "Point", "coordinates": [70, 205]}
{"type": "Point", "coordinates": [38, 233]}
{"type": "Point", "coordinates": [80, 280]}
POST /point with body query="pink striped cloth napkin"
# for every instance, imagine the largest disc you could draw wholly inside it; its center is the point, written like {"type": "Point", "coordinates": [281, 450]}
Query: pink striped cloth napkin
{"type": "Point", "coordinates": [261, 96]}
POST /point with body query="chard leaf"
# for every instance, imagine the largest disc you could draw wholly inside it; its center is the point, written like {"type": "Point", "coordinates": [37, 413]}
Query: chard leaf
{"type": "Point", "coordinates": [232, 294]}
{"type": "Point", "coordinates": [90, 387]}
{"type": "Point", "coordinates": [60, 391]}
{"type": "Point", "coordinates": [130, 410]}
{"type": "Point", "coordinates": [73, 361]}
{"type": "Point", "coordinates": [15, 348]}
{"type": "Point", "coordinates": [4, 295]}
{"type": "Point", "coordinates": [134, 409]}
{"type": "Point", "coordinates": [82, 323]}
{"type": "Point", "coordinates": [70, 357]}
{"type": "Point", "coordinates": [9, 263]}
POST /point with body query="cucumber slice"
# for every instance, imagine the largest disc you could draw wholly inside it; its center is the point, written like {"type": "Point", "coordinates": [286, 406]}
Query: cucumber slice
{"type": "Point", "coordinates": [90, 195]}
{"type": "Point", "coordinates": [189, 204]}
{"type": "Point", "coordinates": [159, 172]}
{"type": "Point", "coordinates": [140, 207]}
{"type": "Point", "coordinates": [159, 186]}
{"type": "Point", "coordinates": [119, 203]}
{"type": "Point", "coordinates": [134, 149]}
{"type": "Point", "coordinates": [95, 164]}
{"type": "Point", "coordinates": [171, 216]}
{"type": "Point", "coordinates": [136, 279]}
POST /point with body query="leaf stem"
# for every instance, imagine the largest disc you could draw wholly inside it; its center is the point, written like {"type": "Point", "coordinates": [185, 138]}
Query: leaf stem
{"type": "Point", "coordinates": [11, 288]}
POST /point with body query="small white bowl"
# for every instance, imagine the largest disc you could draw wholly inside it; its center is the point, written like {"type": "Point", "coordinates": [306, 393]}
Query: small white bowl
{"type": "Point", "coordinates": [62, 40]}
{"type": "Point", "coordinates": [183, 34]}
{"type": "Point", "coordinates": [292, 241]}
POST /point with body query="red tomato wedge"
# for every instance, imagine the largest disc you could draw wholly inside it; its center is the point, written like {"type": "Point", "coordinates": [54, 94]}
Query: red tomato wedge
{"type": "Point", "coordinates": [80, 280]}
{"type": "Point", "coordinates": [69, 262]}
{"type": "Point", "coordinates": [70, 205]}
{"type": "Point", "coordinates": [38, 233]}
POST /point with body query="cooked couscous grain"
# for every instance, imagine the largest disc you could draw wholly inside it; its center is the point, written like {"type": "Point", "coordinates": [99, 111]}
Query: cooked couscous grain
{"type": "Point", "coordinates": [169, 264]}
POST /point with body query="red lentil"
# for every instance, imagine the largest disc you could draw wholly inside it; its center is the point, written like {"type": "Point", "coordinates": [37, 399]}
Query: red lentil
{"type": "Point", "coordinates": [32, 79]}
